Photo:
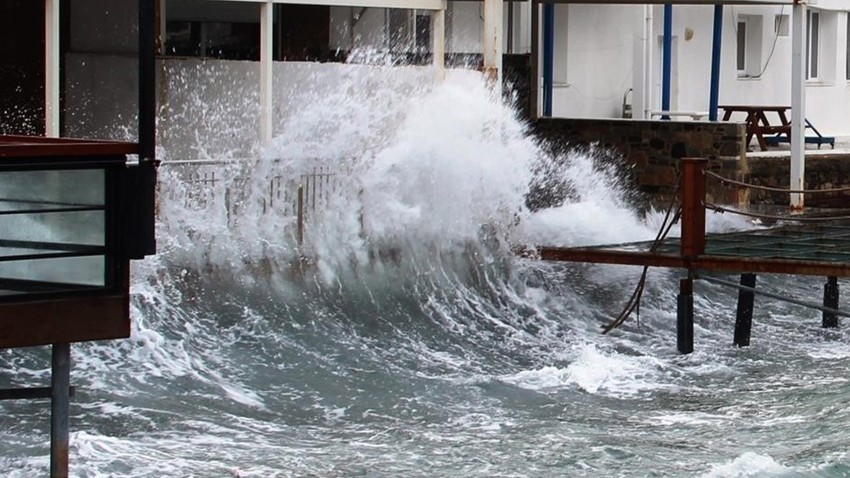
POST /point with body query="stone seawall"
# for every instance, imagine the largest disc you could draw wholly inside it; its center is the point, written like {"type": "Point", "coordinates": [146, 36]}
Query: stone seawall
{"type": "Point", "coordinates": [823, 171]}
{"type": "Point", "coordinates": [650, 150]}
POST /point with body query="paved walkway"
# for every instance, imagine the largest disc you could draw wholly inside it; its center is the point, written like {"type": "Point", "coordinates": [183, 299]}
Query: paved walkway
{"type": "Point", "coordinates": [842, 148]}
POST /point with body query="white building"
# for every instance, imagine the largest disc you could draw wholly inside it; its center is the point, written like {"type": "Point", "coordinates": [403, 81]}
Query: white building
{"type": "Point", "coordinates": [605, 56]}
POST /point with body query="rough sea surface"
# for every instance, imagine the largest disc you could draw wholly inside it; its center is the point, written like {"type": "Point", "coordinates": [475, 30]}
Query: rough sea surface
{"type": "Point", "coordinates": [402, 337]}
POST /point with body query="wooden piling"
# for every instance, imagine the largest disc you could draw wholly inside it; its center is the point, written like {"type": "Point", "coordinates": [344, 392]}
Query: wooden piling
{"type": "Point", "coordinates": [685, 316]}
{"type": "Point", "coordinates": [744, 315]}
{"type": "Point", "coordinates": [830, 299]}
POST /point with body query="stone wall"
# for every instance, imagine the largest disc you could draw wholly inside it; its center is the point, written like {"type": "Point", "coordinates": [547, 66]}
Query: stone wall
{"type": "Point", "coordinates": [650, 150]}
{"type": "Point", "coordinates": [828, 171]}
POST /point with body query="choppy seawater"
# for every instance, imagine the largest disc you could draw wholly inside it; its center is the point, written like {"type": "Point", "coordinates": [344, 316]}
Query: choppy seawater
{"type": "Point", "coordinates": [414, 343]}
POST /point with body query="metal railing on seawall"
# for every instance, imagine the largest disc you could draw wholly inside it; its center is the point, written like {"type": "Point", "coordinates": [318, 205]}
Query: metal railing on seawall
{"type": "Point", "coordinates": [224, 186]}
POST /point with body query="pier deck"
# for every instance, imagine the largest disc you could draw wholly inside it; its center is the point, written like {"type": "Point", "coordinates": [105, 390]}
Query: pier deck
{"type": "Point", "coordinates": [822, 250]}
{"type": "Point", "coordinates": [803, 245]}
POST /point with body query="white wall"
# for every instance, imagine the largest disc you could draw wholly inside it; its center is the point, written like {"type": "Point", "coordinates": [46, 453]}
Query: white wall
{"type": "Point", "coordinates": [594, 60]}
{"type": "Point", "coordinates": [597, 59]}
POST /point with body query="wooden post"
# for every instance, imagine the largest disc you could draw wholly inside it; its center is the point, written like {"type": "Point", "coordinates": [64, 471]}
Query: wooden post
{"type": "Point", "coordinates": [438, 33]}
{"type": "Point", "coordinates": [266, 71]}
{"type": "Point", "coordinates": [685, 316]}
{"type": "Point", "coordinates": [693, 206]}
{"type": "Point", "coordinates": [830, 299]}
{"type": "Point", "coordinates": [744, 317]}
{"type": "Point", "coordinates": [492, 41]}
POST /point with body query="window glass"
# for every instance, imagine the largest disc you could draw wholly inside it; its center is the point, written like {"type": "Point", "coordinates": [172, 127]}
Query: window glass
{"type": "Point", "coordinates": [742, 46]}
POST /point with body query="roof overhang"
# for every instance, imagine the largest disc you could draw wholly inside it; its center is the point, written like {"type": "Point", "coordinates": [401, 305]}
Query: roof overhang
{"type": "Point", "coordinates": [676, 2]}
{"type": "Point", "coordinates": [403, 4]}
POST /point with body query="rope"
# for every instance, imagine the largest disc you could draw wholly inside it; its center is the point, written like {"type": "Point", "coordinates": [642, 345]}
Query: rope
{"type": "Point", "coordinates": [634, 301]}
{"type": "Point", "coordinates": [722, 209]}
{"type": "Point", "coordinates": [772, 189]}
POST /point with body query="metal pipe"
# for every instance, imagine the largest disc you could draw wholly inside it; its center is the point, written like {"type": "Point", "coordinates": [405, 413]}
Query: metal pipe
{"type": "Point", "coordinates": [649, 44]}
{"type": "Point", "coordinates": [60, 379]}
{"type": "Point", "coordinates": [548, 57]}
{"type": "Point", "coordinates": [667, 59]}
{"type": "Point", "coordinates": [714, 96]}
{"type": "Point", "coordinates": [779, 297]}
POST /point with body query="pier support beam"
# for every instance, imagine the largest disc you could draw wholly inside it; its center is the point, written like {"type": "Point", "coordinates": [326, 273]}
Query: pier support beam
{"type": "Point", "coordinates": [830, 299]}
{"type": "Point", "coordinates": [744, 316]}
{"type": "Point", "coordinates": [60, 410]}
{"type": "Point", "coordinates": [492, 40]}
{"type": "Point", "coordinates": [798, 103]}
{"type": "Point", "coordinates": [685, 316]}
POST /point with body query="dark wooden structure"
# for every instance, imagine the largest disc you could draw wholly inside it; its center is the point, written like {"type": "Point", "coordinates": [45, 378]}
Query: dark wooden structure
{"type": "Point", "coordinates": [74, 212]}
{"type": "Point", "coordinates": [63, 256]}
{"type": "Point", "coordinates": [821, 250]}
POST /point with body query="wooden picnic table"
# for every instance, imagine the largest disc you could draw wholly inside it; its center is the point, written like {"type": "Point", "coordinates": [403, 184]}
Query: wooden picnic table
{"type": "Point", "coordinates": [758, 123]}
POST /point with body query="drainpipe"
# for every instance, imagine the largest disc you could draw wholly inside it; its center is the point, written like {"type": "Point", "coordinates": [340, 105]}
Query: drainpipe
{"type": "Point", "coordinates": [647, 62]}
{"type": "Point", "coordinates": [548, 57]}
{"type": "Point", "coordinates": [715, 63]}
{"type": "Point", "coordinates": [667, 58]}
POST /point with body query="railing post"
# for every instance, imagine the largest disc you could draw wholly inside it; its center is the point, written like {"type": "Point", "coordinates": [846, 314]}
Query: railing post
{"type": "Point", "coordinates": [300, 213]}
{"type": "Point", "coordinates": [693, 206]}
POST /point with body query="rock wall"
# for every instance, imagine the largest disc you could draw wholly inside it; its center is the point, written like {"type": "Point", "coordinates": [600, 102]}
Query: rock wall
{"type": "Point", "coordinates": [650, 150]}
{"type": "Point", "coordinates": [829, 171]}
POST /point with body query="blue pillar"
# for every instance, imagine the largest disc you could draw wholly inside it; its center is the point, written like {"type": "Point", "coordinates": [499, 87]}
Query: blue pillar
{"type": "Point", "coordinates": [714, 96]}
{"type": "Point", "coordinates": [667, 58]}
{"type": "Point", "coordinates": [548, 57]}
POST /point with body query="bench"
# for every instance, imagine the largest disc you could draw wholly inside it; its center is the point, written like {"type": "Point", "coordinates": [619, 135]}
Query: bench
{"type": "Point", "coordinates": [695, 115]}
{"type": "Point", "coordinates": [818, 138]}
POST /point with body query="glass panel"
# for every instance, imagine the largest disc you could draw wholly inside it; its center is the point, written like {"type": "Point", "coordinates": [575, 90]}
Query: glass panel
{"type": "Point", "coordinates": [815, 33]}
{"type": "Point", "coordinates": [52, 230]}
{"type": "Point", "coordinates": [74, 271]}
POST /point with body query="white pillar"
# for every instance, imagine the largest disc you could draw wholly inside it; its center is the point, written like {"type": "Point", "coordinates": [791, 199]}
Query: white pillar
{"type": "Point", "coordinates": [438, 33]}
{"type": "Point", "coordinates": [51, 68]}
{"type": "Point", "coordinates": [266, 70]}
{"type": "Point", "coordinates": [798, 103]}
{"type": "Point", "coordinates": [492, 40]}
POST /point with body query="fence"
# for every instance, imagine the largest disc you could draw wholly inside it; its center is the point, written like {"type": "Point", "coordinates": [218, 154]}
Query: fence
{"type": "Point", "coordinates": [208, 185]}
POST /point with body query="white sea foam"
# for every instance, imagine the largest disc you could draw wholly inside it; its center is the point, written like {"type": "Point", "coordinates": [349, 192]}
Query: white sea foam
{"type": "Point", "coordinates": [595, 372]}
{"type": "Point", "coordinates": [748, 465]}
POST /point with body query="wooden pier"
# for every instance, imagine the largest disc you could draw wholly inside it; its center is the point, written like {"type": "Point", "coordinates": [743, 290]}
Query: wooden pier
{"type": "Point", "coordinates": [818, 246]}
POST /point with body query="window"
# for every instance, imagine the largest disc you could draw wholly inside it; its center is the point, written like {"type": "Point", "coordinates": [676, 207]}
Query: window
{"type": "Point", "coordinates": [225, 40]}
{"type": "Point", "coordinates": [748, 36]}
{"type": "Point", "coordinates": [812, 45]}
{"type": "Point", "coordinates": [780, 25]}
{"type": "Point", "coordinates": [409, 35]}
